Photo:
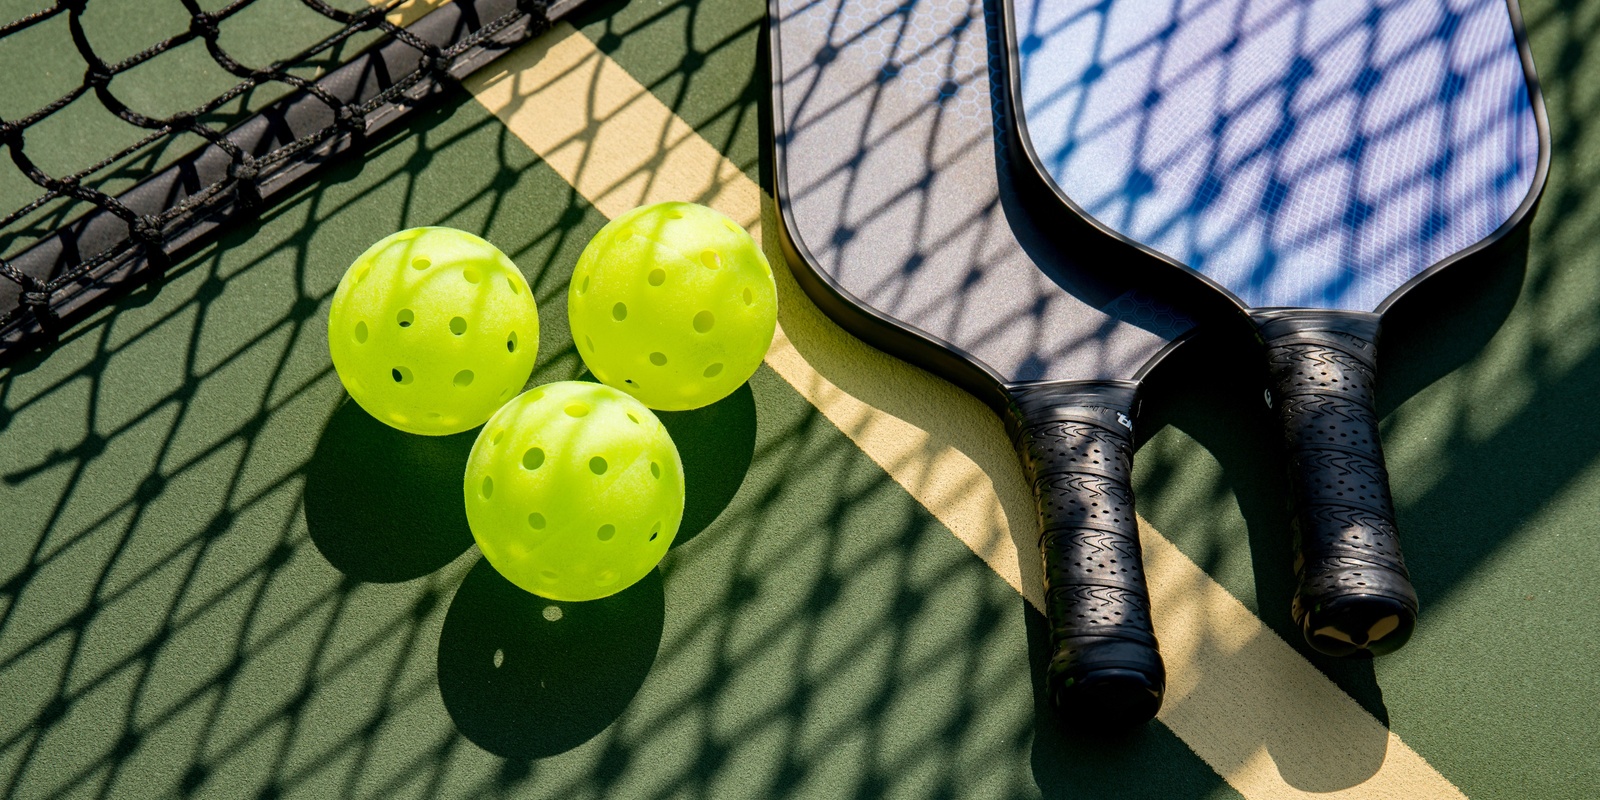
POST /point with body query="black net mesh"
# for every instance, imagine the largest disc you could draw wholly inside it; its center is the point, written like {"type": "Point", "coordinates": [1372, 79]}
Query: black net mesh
{"type": "Point", "coordinates": [119, 206]}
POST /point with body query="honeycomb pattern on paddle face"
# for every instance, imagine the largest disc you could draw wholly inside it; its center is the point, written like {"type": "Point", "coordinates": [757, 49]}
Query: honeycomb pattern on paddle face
{"type": "Point", "coordinates": [1319, 155]}
{"type": "Point", "coordinates": [921, 43]}
{"type": "Point", "coordinates": [1149, 313]}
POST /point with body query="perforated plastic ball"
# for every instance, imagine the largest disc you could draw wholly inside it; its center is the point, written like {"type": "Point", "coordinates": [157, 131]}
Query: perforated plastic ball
{"type": "Point", "coordinates": [574, 491]}
{"type": "Point", "coordinates": [432, 329]}
{"type": "Point", "coordinates": [674, 304]}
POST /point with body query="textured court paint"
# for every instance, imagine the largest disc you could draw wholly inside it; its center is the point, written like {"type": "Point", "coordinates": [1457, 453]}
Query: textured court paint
{"type": "Point", "coordinates": [1314, 155]}
{"type": "Point", "coordinates": [1495, 482]}
{"type": "Point", "coordinates": [176, 459]}
{"type": "Point", "coordinates": [825, 636]}
{"type": "Point", "coordinates": [1222, 653]}
{"type": "Point", "coordinates": [1240, 697]}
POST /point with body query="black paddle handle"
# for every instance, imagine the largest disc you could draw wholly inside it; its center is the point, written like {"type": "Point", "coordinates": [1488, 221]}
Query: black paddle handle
{"type": "Point", "coordinates": [1354, 593]}
{"type": "Point", "coordinates": [1076, 444]}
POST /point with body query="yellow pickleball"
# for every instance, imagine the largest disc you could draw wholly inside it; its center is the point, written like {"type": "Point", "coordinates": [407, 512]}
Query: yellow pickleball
{"type": "Point", "coordinates": [432, 330]}
{"type": "Point", "coordinates": [674, 304]}
{"type": "Point", "coordinates": [574, 491]}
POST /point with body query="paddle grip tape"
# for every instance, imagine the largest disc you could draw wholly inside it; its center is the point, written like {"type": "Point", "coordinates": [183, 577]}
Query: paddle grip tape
{"type": "Point", "coordinates": [1076, 444]}
{"type": "Point", "coordinates": [1323, 367]}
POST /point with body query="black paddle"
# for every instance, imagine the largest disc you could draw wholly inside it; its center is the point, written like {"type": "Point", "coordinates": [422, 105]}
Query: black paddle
{"type": "Point", "coordinates": [903, 227]}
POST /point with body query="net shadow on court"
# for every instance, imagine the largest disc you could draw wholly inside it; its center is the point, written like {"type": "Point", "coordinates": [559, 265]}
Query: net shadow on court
{"type": "Point", "coordinates": [165, 623]}
{"type": "Point", "coordinates": [172, 623]}
{"type": "Point", "coordinates": [1483, 372]}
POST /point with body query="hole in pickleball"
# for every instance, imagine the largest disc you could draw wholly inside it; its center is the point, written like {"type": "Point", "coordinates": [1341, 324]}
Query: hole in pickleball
{"type": "Point", "coordinates": [749, 297]}
{"type": "Point", "coordinates": [714, 370]}
{"type": "Point", "coordinates": [361, 275]}
{"type": "Point", "coordinates": [458, 325]}
{"type": "Point", "coordinates": [588, 343]}
{"type": "Point", "coordinates": [551, 613]}
{"type": "Point", "coordinates": [498, 435]}
{"type": "Point", "coordinates": [633, 419]}
{"type": "Point", "coordinates": [511, 342]}
{"type": "Point", "coordinates": [464, 378]}
{"type": "Point", "coordinates": [471, 275]}
{"type": "Point", "coordinates": [606, 532]}
{"type": "Point", "coordinates": [512, 282]}
{"type": "Point", "coordinates": [536, 521]}
{"type": "Point", "coordinates": [584, 287]}
{"type": "Point", "coordinates": [704, 321]}
{"type": "Point", "coordinates": [533, 459]}
{"type": "Point", "coordinates": [597, 465]}
{"type": "Point", "coordinates": [488, 487]}
{"type": "Point", "coordinates": [655, 470]}
{"type": "Point", "coordinates": [658, 277]}
{"type": "Point", "coordinates": [674, 214]}
{"type": "Point", "coordinates": [549, 575]}
{"type": "Point", "coordinates": [401, 375]}
{"type": "Point", "coordinates": [711, 258]}
{"type": "Point", "coordinates": [361, 332]}
{"type": "Point", "coordinates": [405, 317]}
{"type": "Point", "coordinates": [606, 578]}
{"type": "Point", "coordinates": [421, 263]}
{"type": "Point", "coordinates": [655, 530]}
{"type": "Point", "coordinates": [658, 359]}
{"type": "Point", "coordinates": [576, 410]}
{"type": "Point", "coordinates": [619, 312]}
{"type": "Point", "coordinates": [732, 228]}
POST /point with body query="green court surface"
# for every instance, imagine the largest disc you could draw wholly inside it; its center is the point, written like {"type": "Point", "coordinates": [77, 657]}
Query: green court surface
{"type": "Point", "coordinates": [220, 578]}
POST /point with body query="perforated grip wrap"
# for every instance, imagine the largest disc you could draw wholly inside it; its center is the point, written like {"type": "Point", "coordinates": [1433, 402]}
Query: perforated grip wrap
{"type": "Point", "coordinates": [1354, 593]}
{"type": "Point", "coordinates": [1076, 445]}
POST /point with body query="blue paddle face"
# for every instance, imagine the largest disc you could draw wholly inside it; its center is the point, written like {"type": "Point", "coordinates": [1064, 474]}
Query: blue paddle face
{"type": "Point", "coordinates": [1298, 153]}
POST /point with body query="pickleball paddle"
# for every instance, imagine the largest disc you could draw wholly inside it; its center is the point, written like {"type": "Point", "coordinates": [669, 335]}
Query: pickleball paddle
{"type": "Point", "coordinates": [1313, 160]}
{"type": "Point", "coordinates": [902, 225]}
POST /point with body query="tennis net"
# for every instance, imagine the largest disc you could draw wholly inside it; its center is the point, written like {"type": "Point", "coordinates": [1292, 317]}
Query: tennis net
{"type": "Point", "coordinates": [121, 173]}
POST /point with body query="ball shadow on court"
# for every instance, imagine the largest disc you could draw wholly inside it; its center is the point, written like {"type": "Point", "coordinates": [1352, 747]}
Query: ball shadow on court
{"type": "Point", "coordinates": [383, 505]}
{"type": "Point", "coordinates": [524, 677]}
{"type": "Point", "coordinates": [717, 444]}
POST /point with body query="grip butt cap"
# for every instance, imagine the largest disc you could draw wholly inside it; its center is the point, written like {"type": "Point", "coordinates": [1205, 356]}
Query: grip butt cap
{"type": "Point", "coordinates": [1106, 682]}
{"type": "Point", "coordinates": [1354, 623]}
